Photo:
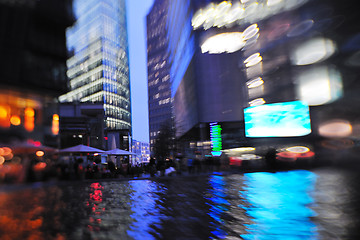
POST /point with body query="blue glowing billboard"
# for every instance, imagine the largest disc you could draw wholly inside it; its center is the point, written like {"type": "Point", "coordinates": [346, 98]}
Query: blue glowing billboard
{"type": "Point", "coordinates": [284, 119]}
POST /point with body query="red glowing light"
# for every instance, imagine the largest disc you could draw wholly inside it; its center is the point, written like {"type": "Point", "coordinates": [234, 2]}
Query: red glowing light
{"type": "Point", "coordinates": [39, 166]}
{"type": "Point", "coordinates": [292, 157]}
{"type": "Point", "coordinates": [286, 156]}
{"type": "Point", "coordinates": [235, 161]}
{"type": "Point", "coordinates": [306, 155]}
{"type": "Point", "coordinates": [95, 199]}
{"type": "Point", "coordinates": [35, 143]}
{"type": "Point", "coordinates": [97, 195]}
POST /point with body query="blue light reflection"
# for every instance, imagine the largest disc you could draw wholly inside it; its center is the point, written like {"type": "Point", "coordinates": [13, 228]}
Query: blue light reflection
{"type": "Point", "coordinates": [218, 205]}
{"type": "Point", "coordinates": [278, 205]}
{"type": "Point", "coordinates": [146, 213]}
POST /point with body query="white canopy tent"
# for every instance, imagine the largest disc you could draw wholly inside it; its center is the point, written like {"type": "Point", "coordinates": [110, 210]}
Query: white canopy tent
{"type": "Point", "coordinates": [118, 152]}
{"type": "Point", "coordinates": [81, 149]}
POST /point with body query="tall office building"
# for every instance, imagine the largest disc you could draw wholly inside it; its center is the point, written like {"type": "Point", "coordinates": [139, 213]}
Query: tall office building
{"type": "Point", "coordinates": [98, 68]}
{"type": "Point", "coordinates": [229, 57]}
{"type": "Point", "coordinates": [205, 88]}
{"type": "Point", "coordinates": [159, 85]}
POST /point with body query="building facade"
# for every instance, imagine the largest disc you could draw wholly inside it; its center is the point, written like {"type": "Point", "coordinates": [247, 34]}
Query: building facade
{"type": "Point", "coordinates": [206, 88]}
{"type": "Point", "coordinates": [142, 151]}
{"type": "Point", "coordinates": [159, 86]}
{"type": "Point", "coordinates": [229, 57]}
{"type": "Point", "coordinates": [82, 123]}
{"type": "Point", "coordinates": [32, 69]}
{"type": "Point", "coordinates": [98, 68]}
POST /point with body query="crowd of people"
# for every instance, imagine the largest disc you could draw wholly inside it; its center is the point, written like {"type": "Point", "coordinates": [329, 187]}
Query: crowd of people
{"type": "Point", "coordinates": [78, 169]}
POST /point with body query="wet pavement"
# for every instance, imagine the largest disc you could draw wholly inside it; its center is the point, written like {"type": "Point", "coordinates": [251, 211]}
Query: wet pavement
{"type": "Point", "coordinates": [295, 204]}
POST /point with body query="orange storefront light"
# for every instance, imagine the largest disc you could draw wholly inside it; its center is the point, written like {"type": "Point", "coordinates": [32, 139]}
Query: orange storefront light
{"type": "Point", "coordinates": [40, 153]}
{"type": "Point", "coordinates": [55, 124]}
{"type": "Point", "coordinates": [29, 119]}
{"type": "Point", "coordinates": [15, 120]}
{"type": "Point", "coordinates": [3, 112]}
{"type": "Point", "coordinates": [4, 116]}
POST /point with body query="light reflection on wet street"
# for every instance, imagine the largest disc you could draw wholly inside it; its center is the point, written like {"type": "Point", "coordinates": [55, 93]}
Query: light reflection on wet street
{"type": "Point", "coordinates": [298, 204]}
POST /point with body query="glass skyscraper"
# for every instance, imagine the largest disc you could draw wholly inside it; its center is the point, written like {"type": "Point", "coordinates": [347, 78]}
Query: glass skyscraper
{"type": "Point", "coordinates": [98, 66]}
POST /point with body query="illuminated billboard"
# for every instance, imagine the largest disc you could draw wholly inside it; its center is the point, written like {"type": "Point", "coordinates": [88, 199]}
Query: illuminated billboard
{"type": "Point", "coordinates": [284, 119]}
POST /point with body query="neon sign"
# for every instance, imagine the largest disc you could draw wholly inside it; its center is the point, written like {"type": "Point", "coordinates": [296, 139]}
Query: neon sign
{"type": "Point", "coordinates": [215, 138]}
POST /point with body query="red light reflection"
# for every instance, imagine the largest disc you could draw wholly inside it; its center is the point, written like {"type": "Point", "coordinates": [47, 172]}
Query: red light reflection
{"type": "Point", "coordinates": [292, 157]}
{"type": "Point", "coordinates": [235, 161]}
{"type": "Point", "coordinates": [96, 196]}
{"type": "Point", "coordinates": [95, 199]}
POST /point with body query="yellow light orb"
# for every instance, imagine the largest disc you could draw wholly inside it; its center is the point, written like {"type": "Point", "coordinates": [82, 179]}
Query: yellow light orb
{"type": "Point", "coordinates": [39, 153]}
{"type": "Point", "coordinates": [15, 120]}
{"type": "Point", "coordinates": [29, 112]}
{"type": "Point", "coordinates": [298, 149]}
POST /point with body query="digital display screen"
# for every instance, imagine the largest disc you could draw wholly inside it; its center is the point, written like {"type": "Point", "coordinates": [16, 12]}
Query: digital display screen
{"type": "Point", "coordinates": [216, 140]}
{"type": "Point", "coordinates": [286, 119]}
